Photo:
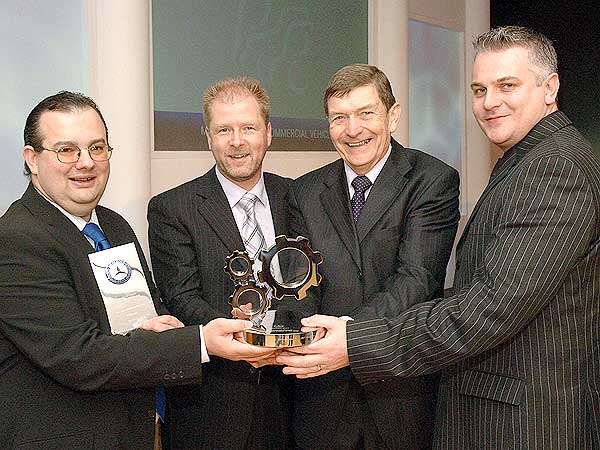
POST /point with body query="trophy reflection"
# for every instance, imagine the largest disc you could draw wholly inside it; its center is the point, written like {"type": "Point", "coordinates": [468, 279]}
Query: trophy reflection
{"type": "Point", "coordinates": [289, 269]}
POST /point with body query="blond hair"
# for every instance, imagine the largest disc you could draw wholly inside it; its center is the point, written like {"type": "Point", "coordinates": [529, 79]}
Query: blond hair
{"type": "Point", "coordinates": [235, 88]}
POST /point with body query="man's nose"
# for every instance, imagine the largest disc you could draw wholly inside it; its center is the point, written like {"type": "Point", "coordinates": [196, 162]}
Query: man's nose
{"type": "Point", "coordinates": [236, 138]}
{"type": "Point", "coordinates": [353, 125]}
{"type": "Point", "coordinates": [85, 160]}
{"type": "Point", "coordinates": [492, 99]}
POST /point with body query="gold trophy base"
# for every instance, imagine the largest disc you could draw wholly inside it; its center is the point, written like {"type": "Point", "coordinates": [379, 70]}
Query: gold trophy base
{"type": "Point", "coordinates": [278, 339]}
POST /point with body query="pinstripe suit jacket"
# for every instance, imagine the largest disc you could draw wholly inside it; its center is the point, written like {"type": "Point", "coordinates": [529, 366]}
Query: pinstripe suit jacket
{"type": "Point", "coordinates": [394, 256]}
{"type": "Point", "coordinates": [191, 232]}
{"type": "Point", "coordinates": [519, 340]}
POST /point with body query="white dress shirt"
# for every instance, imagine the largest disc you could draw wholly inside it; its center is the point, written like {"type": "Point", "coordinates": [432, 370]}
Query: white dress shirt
{"type": "Point", "coordinates": [262, 209]}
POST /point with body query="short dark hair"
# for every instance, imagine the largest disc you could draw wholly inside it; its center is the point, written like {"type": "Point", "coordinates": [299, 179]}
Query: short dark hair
{"type": "Point", "coordinates": [64, 101]}
{"type": "Point", "coordinates": [357, 75]}
{"type": "Point", "coordinates": [541, 50]}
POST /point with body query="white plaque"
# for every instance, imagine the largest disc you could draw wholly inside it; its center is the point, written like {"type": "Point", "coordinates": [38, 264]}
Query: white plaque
{"type": "Point", "coordinates": [123, 286]}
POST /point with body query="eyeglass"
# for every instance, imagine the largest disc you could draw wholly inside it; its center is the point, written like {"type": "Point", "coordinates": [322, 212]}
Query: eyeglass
{"type": "Point", "coordinates": [69, 154]}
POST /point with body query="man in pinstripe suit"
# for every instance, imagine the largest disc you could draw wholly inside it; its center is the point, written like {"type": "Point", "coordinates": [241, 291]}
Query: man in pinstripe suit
{"type": "Point", "coordinates": [519, 341]}
{"type": "Point", "coordinates": [192, 229]}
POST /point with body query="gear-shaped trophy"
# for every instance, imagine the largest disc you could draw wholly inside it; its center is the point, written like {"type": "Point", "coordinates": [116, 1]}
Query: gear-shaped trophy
{"type": "Point", "coordinates": [254, 297]}
{"type": "Point", "coordinates": [289, 268]}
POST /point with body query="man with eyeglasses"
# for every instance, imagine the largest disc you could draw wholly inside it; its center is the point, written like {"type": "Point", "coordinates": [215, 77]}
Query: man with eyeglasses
{"type": "Point", "coordinates": [384, 218]}
{"type": "Point", "coordinates": [65, 380]}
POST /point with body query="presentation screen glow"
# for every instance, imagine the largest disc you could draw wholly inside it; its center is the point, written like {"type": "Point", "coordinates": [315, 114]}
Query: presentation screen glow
{"type": "Point", "coordinates": [292, 47]}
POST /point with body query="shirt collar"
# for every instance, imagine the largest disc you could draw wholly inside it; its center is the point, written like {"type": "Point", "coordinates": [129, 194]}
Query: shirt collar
{"type": "Point", "coordinates": [544, 128]}
{"type": "Point", "coordinates": [371, 174]}
{"type": "Point", "coordinates": [79, 222]}
{"type": "Point", "coordinates": [234, 193]}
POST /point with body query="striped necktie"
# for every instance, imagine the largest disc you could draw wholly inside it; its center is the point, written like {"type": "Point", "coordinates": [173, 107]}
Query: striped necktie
{"type": "Point", "coordinates": [252, 235]}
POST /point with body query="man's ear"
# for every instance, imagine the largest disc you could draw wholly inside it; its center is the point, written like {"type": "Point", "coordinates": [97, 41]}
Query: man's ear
{"type": "Point", "coordinates": [551, 85]}
{"type": "Point", "coordinates": [394, 117]}
{"type": "Point", "coordinates": [31, 158]}
{"type": "Point", "coordinates": [269, 134]}
{"type": "Point", "coordinates": [206, 132]}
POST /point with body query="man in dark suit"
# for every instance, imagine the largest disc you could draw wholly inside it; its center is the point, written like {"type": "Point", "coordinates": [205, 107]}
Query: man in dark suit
{"type": "Point", "coordinates": [66, 382]}
{"type": "Point", "coordinates": [519, 339]}
{"type": "Point", "coordinates": [193, 228]}
{"type": "Point", "coordinates": [384, 218]}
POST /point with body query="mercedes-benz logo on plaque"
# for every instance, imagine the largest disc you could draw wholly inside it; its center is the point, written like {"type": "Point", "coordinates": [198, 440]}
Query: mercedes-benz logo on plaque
{"type": "Point", "coordinates": [289, 268]}
{"type": "Point", "coordinates": [118, 272]}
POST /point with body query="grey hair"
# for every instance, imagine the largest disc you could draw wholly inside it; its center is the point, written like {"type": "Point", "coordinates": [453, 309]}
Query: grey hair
{"type": "Point", "coordinates": [541, 50]}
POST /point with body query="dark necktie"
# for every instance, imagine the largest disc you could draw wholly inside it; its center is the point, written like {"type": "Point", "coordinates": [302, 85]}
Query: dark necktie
{"type": "Point", "coordinates": [94, 232]}
{"type": "Point", "coordinates": [360, 185]}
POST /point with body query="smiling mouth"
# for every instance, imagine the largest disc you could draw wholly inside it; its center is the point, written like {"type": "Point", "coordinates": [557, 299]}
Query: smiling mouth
{"type": "Point", "coordinates": [358, 144]}
{"type": "Point", "coordinates": [239, 156]}
{"type": "Point", "coordinates": [495, 117]}
{"type": "Point", "coordinates": [82, 179]}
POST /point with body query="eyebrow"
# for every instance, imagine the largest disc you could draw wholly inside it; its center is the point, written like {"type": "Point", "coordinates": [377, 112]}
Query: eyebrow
{"type": "Point", "coordinates": [215, 125]}
{"type": "Point", "coordinates": [243, 124]}
{"type": "Point", "coordinates": [362, 108]}
{"type": "Point", "coordinates": [92, 142]}
{"type": "Point", "coordinates": [499, 80]}
{"type": "Point", "coordinates": [504, 79]}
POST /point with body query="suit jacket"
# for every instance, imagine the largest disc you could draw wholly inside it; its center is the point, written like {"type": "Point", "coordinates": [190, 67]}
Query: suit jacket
{"type": "Point", "coordinates": [520, 338]}
{"type": "Point", "coordinates": [394, 256]}
{"type": "Point", "coordinates": [65, 381]}
{"type": "Point", "coordinates": [191, 231]}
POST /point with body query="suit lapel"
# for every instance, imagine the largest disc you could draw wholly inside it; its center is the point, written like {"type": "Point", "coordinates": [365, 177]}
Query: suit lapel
{"type": "Point", "coordinates": [115, 233]}
{"type": "Point", "coordinates": [77, 247]}
{"type": "Point", "coordinates": [498, 174]}
{"type": "Point", "coordinates": [336, 205]}
{"type": "Point", "coordinates": [509, 160]}
{"type": "Point", "coordinates": [389, 184]}
{"type": "Point", "coordinates": [214, 207]}
{"type": "Point", "coordinates": [277, 205]}
{"type": "Point", "coordinates": [59, 226]}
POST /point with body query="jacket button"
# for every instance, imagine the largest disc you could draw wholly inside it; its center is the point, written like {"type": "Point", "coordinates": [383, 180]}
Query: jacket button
{"type": "Point", "coordinates": [361, 277]}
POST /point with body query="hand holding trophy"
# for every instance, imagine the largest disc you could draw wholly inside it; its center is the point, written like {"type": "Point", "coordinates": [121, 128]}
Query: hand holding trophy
{"type": "Point", "coordinates": [289, 268]}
